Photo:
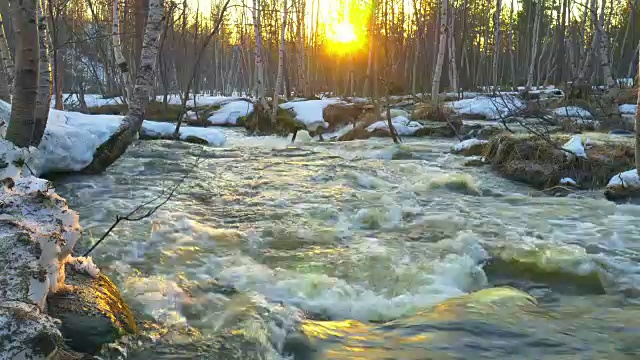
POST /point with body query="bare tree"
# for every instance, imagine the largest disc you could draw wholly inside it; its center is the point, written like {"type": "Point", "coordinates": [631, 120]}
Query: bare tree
{"type": "Point", "coordinates": [276, 91]}
{"type": "Point", "coordinates": [23, 106]}
{"type": "Point", "coordinates": [435, 85]}
{"type": "Point", "coordinates": [496, 44]}
{"type": "Point", "coordinates": [5, 55]}
{"type": "Point", "coordinates": [43, 100]}
{"type": "Point", "coordinates": [121, 61]}
{"type": "Point", "coordinates": [109, 151]}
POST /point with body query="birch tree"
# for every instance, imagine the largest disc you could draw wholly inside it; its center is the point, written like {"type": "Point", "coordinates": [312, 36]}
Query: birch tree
{"type": "Point", "coordinates": [109, 151]}
{"type": "Point", "coordinates": [534, 50]}
{"type": "Point", "coordinates": [5, 55]}
{"type": "Point", "coordinates": [23, 106]}
{"type": "Point", "coordinates": [435, 85]}
{"type": "Point", "coordinates": [43, 100]}
{"type": "Point", "coordinates": [260, 90]}
{"type": "Point", "coordinates": [121, 61]}
{"type": "Point", "coordinates": [276, 91]}
{"type": "Point", "coordinates": [496, 44]}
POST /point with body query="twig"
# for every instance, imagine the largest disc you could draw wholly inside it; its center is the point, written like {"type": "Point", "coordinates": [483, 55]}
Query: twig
{"type": "Point", "coordinates": [130, 216]}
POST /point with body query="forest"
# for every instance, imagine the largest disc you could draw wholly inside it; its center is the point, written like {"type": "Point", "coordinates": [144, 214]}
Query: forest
{"type": "Point", "coordinates": [319, 179]}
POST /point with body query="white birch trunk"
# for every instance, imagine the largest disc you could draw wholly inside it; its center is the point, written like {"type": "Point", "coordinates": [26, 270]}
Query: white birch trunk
{"type": "Point", "coordinates": [43, 100]}
{"type": "Point", "coordinates": [109, 151]}
{"type": "Point", "coordinates": [453, 66]}
{"type": "Point", "coordinates": [5, 54]}
{"type": "Point", "coordinates": [276, 91]}
{"type": "Point", "coordinates": [534, 51]}
{"type": "Point", "coordinates": [258, 57]}
{"type": "Point", "coordinates": [435, 85]}
{"type": "Point", "coordinates": [496, 44]}
{"type": "Point", "coordinates": [23, 106]}
{"type": "Point", "coordinates": [604, 49]}
{"type": "Point", "coordinates": [121, 62]}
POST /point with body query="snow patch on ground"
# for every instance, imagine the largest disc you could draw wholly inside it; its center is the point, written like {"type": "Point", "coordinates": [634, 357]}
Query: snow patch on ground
{"type": "Point", "coordinates": [403, 126]}
{"type": "Point", "coordinates": [84, 265]}
{"type": "Point", "coordinates": [467, 144]}
{"type": "Point", "coordinates": [71, 138]}
{"type": "Point", "coordinates": [229, 113]}
{"type": "Point", "coordinates": [572, 111]}
{"type": "Point", "coordinates": [309, 112]}
{"type": "Point", "coordinates": [489, 108]}
{"type": "Point", "coordinates": [575, 146]}
{"type": "Point", "coordinates": [628, 109]}
{"type": "Point", "coordinates": [628, 179]}
{"type": "Point", "coordinates": [568, 181]}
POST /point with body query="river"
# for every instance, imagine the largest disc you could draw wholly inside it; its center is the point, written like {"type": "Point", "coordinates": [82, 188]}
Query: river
{"type": "Point", "coordinates": [360, 246]}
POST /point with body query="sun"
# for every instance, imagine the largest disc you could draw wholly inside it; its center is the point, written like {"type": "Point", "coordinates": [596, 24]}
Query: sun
{"type": "Point", "coordinates": [343, 38]}
{"type": "Point", "coordinates": [343, 33]}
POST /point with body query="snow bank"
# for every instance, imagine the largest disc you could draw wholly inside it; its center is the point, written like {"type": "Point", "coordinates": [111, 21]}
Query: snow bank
{"type": "Point", "coordinates": [572, 111]}
{"type": "Point", "coordinates": [627, 179]}
{"type": "Point", "coordinates": [71, 138]}
{"type": "Point", "coordinates": [575, 146]}
{"type": "Point", "coordinates": [161, 130]}
{"type": "Point", "coordinates": [623, 186]}
{"type": "Point", "coordinates": [489, 108]}
{"type": "Point", "coordinates": [628, 109]}
{"type": "Point", "coordinates": [467, 144]}
{"type": "Point", "coordinates": [229, 113]}
{"type": "Point", "coordinates": [201, 100]}
{"type": "Point", "coordinates": [309, 112]}
{"type": "Point", "coordinates": [403, 126]}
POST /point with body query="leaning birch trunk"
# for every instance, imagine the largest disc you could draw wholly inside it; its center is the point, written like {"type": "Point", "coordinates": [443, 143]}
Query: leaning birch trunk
{"type": "Point", "coordinates": [637, 122]}
{"type": "Point", "coordinates": [435, 85]}
{"type": "Point", "coordinates": [604, 49]}
{"type": "Point", "coordinates": [5, 54]}
{"type": "Point", "coordinates": [109, 151]}
{"type": "Point", "coordinates": [121, 62]}
{"type": "Point", "coordinates": [496, 45]}
{"type": "Point", "coordinates": [276, 91]}
{"type": "Point", "coordinates": [23, 106]}
{"type": "Point", "coordinates": [534, 51]}
{"type": "Point", "coordinates": [43, 100]}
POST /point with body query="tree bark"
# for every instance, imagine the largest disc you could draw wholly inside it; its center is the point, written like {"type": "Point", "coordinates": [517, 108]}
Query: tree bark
{"type": "Point", "coordinates": [435, 85]}
{"type": "Point", "coordinates": [604, 49]}
{"type": "Point", "coordinates": [276, 91]}
{"type": "Point", "coordinates": [496, 45]}
{"type": "Point", "coordinates": [23, 107]}
{"type": "Point", "coordinates": [121, 62]}
{"type": "Point", "coordinates": [43, 100]}
{"type": "Point", "coordinates": [637, 124]}
{"type": "Point", "coordinates": [453, 66]}
{"type": "Point", "coordinates": [534, 51]}
{"type": "Point", "coordinates": [4, 85]}
{"type": "Point", "coordinates": [109, 151]}
{"type": "Point", "coordinates": [258, 57]}
{"type": "Point", "coordinates": [5, 54]}
{"type": "Point", "coordinates": [369, 78]}
{"type": "Point", "coordinates": [512, 59]}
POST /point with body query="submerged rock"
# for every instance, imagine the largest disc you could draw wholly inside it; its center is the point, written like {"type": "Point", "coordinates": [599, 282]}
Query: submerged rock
{"type": "Point", "coordinates": [92, 311]}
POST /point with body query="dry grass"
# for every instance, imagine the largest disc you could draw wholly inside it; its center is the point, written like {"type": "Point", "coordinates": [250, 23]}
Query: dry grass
{"type": "Point", "coordinates": [536, 162]}
{"type": "Point", "coordinates": [429, 111]}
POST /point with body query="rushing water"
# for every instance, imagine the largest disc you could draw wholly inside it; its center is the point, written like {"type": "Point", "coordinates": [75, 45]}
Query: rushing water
{"type": "Point", "coordinates": [355, 250]}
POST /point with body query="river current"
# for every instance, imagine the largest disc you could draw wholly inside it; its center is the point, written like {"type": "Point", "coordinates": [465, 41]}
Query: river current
{"type": "Point", "coordinates": [359, 250]}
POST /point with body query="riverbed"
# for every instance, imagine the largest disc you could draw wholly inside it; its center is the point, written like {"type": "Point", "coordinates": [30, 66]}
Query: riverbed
{"type": "Point", "coordinates": [351, 250]}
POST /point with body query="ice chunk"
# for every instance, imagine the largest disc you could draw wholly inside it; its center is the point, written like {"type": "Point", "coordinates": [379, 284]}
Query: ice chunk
{"type": "Point", "coordinates": [466, 144]}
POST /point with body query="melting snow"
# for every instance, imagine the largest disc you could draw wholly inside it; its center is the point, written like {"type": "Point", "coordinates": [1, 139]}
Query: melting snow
{"type": "Point", "coordinates": [466, 144]}
{"type": "Point", "coordinates": [627, 179]}
{"type": "Point", "coordinates": [229, 113]}
{"type": "Point", "coordinates": [403, 126]}
{"type": "Point", "coordinates": [575, 146]}
{"type": "Point", "coordinates": [309, 112]}
{"type": "Point", "coordinates": [489, 108]}
{"type": "Point", "coordinates": [572, 111]}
